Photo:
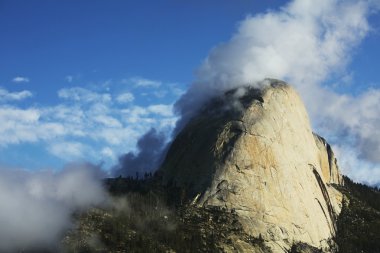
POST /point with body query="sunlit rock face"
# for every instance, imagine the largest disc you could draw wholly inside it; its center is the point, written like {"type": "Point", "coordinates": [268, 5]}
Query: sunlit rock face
{"type": "Point", "coordinates": [253, 151]}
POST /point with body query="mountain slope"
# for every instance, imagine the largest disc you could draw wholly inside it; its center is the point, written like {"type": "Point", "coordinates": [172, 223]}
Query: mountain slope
{"type": "Point", "coordinates": [359, 222]}
{"type": "Point", "coordinates": [140, 225]}
{"type": "Point", "coordinates": [253, 151]}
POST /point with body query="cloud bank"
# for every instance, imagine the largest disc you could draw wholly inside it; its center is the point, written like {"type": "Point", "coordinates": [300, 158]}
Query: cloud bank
{"type": "Point", "coordinates": [36, 207]}
{"type": "Point", "coordinates": [308, 44]}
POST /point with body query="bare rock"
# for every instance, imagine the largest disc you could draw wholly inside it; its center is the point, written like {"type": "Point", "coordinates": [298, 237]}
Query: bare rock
{"type": "Point", "coordinates": [253, 151]}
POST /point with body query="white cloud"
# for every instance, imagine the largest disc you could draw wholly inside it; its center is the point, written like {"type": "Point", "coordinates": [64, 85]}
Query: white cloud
{"type": "Point", "coordinates": [135, 114]}
{"type": "Point", "coordinates": [349, 162]}
{"type": "Point", "coordinates": [118, 136]}
{"type": "Point", "coordinates": [85, 121]}
{"type": "Point", "coordinates": [6, 96]}
{"type": "Point", "coordinates": [143, 82]}
{"type": "Point", "coordinates": [8, 114]}
{"type": "Point", "coordinates": [108, 153]}
{"type": "Point", "coordinates": [125, 97]}
{"type": "Point", "coordinates": [359, 116]}
{"type": "Point", "coordinates": [20, 79]}
{"type": "Point", "coordinates": [160, 93]}
{"type": "Point", "coordinates": [72, 114]}
{"type": "Point", "coordinates": [83, 95]}
{"type": "Point", "coordinates": [305, 43]}
{"type": "Point", "coordinates": [161, 109]}
{"type": "Point", "coordinates": [107, 121]}
{"type": "Point", "coordinates": [24, 125]}
{"type": "Point", "coordinates": [167, 123]}
{"type": "Point", "coordinates": [36, 207]}
{"type": "Point", "coordinates": [147, 114]}
{"type": "Point", "coordinates": [68, 151]}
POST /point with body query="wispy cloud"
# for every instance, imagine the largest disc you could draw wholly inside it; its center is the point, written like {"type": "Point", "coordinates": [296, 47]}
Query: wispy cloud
{"type": "Point", "coordinates": [107, 120]}
{"type": "Point", "coordinates": [6, 96]}
{"type": "Point", "coordinates": [142, 82]}
{"type": "Point", "coordinates": [146, 114]}
{"type": "Point", "coordinates": [68, 151]}
{"type": "Point", "coordinates": [175, 89]}
{"type": "Point", "coordinates": [83, 95]}
{"type": "Point", "coordinates": [125, 97]}
{"type": "Point", "coordinates": [20, 79]}
{"type": "Point", "coordinates": [69, 78]}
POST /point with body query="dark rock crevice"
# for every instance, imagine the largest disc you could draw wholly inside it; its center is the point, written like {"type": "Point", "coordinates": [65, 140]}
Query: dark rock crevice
{"type": "Point", "coordinates": [326, 197]}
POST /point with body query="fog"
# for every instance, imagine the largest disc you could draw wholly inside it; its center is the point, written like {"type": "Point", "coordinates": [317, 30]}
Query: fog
{"type": "Point", "coordinates": [151, 149]}
{"type": "Point", "coordinates": [36, 207]}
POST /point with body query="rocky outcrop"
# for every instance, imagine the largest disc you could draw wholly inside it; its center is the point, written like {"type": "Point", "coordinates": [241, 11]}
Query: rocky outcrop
{"type": "Point", "coordinates": [253, 151]}
{"type": "Point", "coordinates": [328, 162]}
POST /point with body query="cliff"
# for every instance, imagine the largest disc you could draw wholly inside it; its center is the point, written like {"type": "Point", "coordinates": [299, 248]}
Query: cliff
{"type": "Point", "coordinates": [253, 152]}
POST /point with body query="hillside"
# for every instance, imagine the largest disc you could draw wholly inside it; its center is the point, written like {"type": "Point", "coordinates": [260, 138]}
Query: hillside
{"type": "Point", "coordinates": [142, 227]}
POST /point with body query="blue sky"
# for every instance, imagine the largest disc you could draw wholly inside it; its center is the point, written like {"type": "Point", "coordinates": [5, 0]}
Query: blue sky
{"type": "Point", "coordinates": [82, 80]}
{"type": "Point", "coordinates": [113, 39]}
{"type": "Point", "coordinates": [101, 47]}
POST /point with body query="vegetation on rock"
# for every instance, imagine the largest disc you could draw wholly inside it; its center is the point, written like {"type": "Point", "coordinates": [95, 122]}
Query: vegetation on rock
{"type": "Point", "coordinates": [146, 218]}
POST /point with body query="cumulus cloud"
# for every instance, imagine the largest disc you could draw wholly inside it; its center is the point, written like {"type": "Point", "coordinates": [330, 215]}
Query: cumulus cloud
{"type": "Point", "coordinates": [308, 44]}
{"type": "Point", "coordinates": [36, 207]}
{"type": "Point", "coordinates": [6, 96]}
{"type": "Point", "coordinates": [24, 125]}
{"type": "Point", "coordinates": [20, 79]}
{"type": "Point", "coordinates": [304, 42]}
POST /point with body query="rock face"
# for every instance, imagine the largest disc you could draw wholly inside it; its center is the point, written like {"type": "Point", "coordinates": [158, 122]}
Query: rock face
{"type": "Point", "coordinates": [253, 151]}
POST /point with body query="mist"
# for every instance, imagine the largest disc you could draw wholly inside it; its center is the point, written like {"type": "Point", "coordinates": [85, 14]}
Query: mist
{"type": "Point", "coordinates": [151, 149]}
{"type": "Point", "coordinates": [37, 207]}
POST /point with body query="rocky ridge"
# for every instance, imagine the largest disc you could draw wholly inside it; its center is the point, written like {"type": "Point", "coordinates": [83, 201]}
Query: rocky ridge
{"type": "Point", "coordinates": [253, 151]}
